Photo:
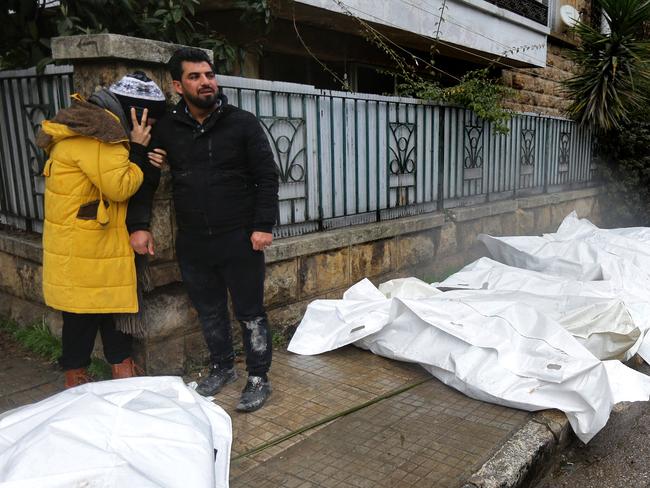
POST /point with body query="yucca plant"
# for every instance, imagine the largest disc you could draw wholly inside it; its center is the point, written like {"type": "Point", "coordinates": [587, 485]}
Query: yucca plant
{"type": "Point", "coordinates": [613, 67]}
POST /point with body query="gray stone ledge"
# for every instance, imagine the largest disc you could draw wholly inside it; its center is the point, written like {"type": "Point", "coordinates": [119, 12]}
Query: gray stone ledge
{"type": "Point", "coordinates": [462, 214]}
{"type": "Point", "coordinates": [28, 246]}
{"type": "Point", "coordinates": [112, 46]}
{"type": "Point", "coordinates": [292, 247]}
{"type": "Point", "coordinates": [525, 455]}
{"type": "Point", "coordinates": [554, 198]}
{"type": "Point", "coordinates": [22, 244]}
{"type": "Point", "coordinates": [519, 458]}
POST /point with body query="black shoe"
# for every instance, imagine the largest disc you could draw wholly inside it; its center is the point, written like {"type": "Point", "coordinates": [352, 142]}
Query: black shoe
{"type": "Point", "coordinates": [217, 379]}
{"type": "Point", "coordinates": [254, 394]}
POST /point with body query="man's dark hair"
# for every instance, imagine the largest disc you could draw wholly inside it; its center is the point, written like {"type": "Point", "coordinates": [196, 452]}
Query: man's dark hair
{"type": "Point", "coordinates": [191, 54]}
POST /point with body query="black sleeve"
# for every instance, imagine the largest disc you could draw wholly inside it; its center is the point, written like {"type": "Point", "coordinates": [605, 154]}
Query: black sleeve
{"type": "Point", "coordinates": [138, 215]}
{"type": "Point", "coordinates": [265, 176]}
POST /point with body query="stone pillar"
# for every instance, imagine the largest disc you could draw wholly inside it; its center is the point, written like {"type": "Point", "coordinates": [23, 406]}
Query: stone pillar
{"type": "Point", "coordinates": [100, 59]}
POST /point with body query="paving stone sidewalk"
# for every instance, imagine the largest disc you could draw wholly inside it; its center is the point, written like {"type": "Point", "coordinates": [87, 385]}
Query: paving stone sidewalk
{"type": "Point", "coordinates": [342, 419]}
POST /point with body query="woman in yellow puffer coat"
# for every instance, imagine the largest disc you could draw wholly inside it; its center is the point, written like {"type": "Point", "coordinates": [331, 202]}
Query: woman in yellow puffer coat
{"type": "Point", "coordinates": [88, 263]}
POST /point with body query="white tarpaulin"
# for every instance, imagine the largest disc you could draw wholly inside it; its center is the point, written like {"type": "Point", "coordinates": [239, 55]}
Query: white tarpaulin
{"type": "Point", "coordinates": [581, 251]}
{"type": "Point", "coordinates": [530, 335]}
{"type": "Point", "coordinates": [494, 350]}
{"type": "Point", "coordinates": [137, 432]}
{"type": "Point", "coordinates": [597, 313]}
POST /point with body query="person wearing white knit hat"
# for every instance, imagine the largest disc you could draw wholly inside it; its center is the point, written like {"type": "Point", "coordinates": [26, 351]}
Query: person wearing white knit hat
{"type": "Point", "coordinates": [98, 159]}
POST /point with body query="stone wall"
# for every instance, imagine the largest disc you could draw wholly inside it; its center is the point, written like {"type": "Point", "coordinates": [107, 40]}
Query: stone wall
{"type": "Point", "coordinates": [540, 90]}
{"type": "Point", "coordinates": [300, 269]}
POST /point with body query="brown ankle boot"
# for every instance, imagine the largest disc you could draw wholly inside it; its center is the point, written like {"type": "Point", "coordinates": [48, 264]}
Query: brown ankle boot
{"type": "Point", "coordinates": [76, 377]}
{"type": "Point", "coordinates": [125, 369]}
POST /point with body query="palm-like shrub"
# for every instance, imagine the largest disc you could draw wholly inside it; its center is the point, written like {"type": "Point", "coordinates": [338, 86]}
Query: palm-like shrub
{"type": "Point", "coordinates": [614, 66]}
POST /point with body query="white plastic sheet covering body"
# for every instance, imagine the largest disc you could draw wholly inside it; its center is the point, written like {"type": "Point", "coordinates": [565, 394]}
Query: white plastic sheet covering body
{"type": "Point", "coordinates": [530, 335]}
{"type": "Point", "coordinates": [494, 350]}
{"type": "Point", "coordinates": [138, 432]}
{"type": "Point", "coordinates": [601, 316]}
{"type": "Point", "coordinates": [581, 251]}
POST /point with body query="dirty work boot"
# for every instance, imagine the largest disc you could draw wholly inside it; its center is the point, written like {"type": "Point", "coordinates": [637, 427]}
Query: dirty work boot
{"type": "Point", "coordinates": [76, 377]}
{"type": "Point", "coordinates": [125, 369]}
{"type": "Point", "coordinates": [255, 393]}
{"type": "Point", "coordinates": [217, 379]}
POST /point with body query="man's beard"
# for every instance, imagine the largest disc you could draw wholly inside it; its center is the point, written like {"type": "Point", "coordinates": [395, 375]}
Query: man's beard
{"type": "Point", "coordinates": [202, 102]}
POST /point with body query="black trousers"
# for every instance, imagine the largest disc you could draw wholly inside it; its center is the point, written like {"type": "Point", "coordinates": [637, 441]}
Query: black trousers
{"type": "Point", "coordinates": [79, 332]}
{"type": "Point", "coordinates": [212, 265]}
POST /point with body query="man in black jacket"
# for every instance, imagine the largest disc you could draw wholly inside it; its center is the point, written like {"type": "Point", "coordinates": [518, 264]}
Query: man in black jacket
{"type": "Point", "coordinates": [225, 186]}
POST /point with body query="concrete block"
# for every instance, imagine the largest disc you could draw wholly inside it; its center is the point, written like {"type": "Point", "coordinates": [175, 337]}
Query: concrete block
{"type": "Point", "coordinates": [168, 312]}
{"type": "Point", "coordinates": [416, 249]}
{"type": "Point", "coordinates": [323, 272]}
{"type": "Point", "coordinates": [9, 278]}
{"type": "Point", "coordinates": [371, 259]}
{"type": "Point", "coordinates": [543, 222]}
{"type": "Point", "coordinates": [509, 224]}
{"type": "Point", "coordinates": [492, 225]}
{"type": "Point", "coordinates": [161, 228]}
{"type": "Point", "coordinates": [462, 214]}
{"type": "Point", "coordinates": [31, 278]}
{"type": "Point", "coordinates": [447, 243]}
{"type": "Point", "coordinates": [22, 244]}
{"type": "Point", "coordinates": [284, 249]}
{"type": "Point", "coordinates": [113, 46]}
{"type": "Point", "coordinates": [584, 207]}
{"type": "Point", "coordinates": [524, 222]}
{"type": "Point", "coordinates": [281, 284]}
{"type": "Point", "coordinates": [467, 233]}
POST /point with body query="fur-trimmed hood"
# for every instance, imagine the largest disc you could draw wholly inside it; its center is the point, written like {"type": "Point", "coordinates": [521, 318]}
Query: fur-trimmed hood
{"type": "Point", "coordinates": [83, 118]}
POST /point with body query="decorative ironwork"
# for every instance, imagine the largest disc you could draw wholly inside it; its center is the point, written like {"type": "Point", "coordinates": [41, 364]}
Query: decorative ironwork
{"type": "Point", "coordinates": [289, 154]}
{"type": "Point", "coordinates": [531, 9]}
{"type": "Point", "coordinates": [36, 113]}
{"type": "Point", "coordinates": [564, 156]}
{"type": "Point", "coordinates": [528, 147]}
{"type": "Point", "coordinates": [473, 147]}
{"type": "Point", "coordinates": [595, 156]}
{"type": "Point", "coordinates": [403, 152]}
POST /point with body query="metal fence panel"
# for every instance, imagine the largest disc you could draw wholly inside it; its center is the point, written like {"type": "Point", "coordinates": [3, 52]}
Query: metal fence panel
{"type": "Point", "coordinates": [343, 158]}
{"type": "Point", "coordinates": [26, 98]}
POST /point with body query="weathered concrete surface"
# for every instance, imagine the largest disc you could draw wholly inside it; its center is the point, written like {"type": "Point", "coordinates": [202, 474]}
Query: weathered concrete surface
{"type": "Point", "coordinates": [113, 46]}
{"type": "Point", "coordinates": [527, 452]}
{"type": "Point", "coordinates": [346, 418]}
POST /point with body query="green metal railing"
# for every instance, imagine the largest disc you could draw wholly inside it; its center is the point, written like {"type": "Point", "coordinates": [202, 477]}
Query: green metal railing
{"type": "Point", "coordinates": [359, 158]}
{"type": "Point", "coordinates": [26, 98]}
{"type": "Point", "coordinates": [343, 159]}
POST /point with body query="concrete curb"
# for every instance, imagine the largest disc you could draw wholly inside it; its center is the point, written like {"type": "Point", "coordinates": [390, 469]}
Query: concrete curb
{"type": "Point", "coordinates": [526, 454]}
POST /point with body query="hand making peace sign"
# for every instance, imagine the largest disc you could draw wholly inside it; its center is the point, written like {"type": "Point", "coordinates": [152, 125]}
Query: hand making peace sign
{"type": "Point", "coordinates": [141, 132]}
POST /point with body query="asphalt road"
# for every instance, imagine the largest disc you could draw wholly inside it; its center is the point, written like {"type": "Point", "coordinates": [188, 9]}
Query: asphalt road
{"type": "Point", "coordinates": [618, 457]}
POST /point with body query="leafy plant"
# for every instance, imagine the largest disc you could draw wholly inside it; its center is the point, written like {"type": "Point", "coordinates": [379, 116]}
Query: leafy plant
{"type": "Point", "coordinates": [614, 69]}
{"type": "Point", "coordinates": [38, 339]}
{"type": "Point", "coordinates": [29, 24]}
{"type": "Point", "coordinates": [99, 370]}
{"type": "Point", "coordinates": [475, 91]}
{"type": "Point", "coordinates": [26, 29]}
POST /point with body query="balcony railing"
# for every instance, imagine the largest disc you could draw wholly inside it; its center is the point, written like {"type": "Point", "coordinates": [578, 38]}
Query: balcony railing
{"type": "Point", "coordinates": [531, 9]}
